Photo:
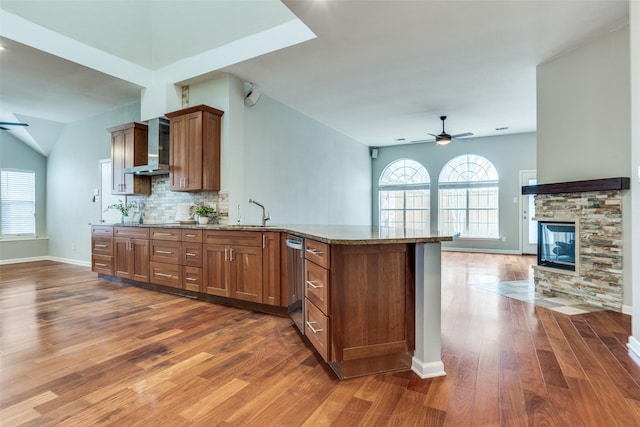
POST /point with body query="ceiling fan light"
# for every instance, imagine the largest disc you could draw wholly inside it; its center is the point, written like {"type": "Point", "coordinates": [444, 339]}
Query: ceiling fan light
{"type": "Point", "coordinates": [443, 140]}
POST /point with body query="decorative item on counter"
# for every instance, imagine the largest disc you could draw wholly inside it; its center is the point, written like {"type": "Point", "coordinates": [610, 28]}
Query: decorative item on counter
{"type": "Point", "coordinates": [204, 213]}
{"type": "Point", "coordinates": [124, 210]}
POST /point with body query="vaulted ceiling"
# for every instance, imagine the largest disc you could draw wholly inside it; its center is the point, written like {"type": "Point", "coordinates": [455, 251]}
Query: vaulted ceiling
{"type": "Point", "coordinates": [378, 71]}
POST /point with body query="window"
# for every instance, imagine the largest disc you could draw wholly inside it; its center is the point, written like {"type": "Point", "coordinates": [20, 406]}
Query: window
{"type": "Point", "coordinates": [468, 190]}
{"type": "Point", "coordinates": [404, 197]}
{"type": "Point", "coordinates": [18, 200]}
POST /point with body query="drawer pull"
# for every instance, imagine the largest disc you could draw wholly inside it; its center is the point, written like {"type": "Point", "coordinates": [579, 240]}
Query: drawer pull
{"type": "Point", "coordinates": [101, 246]}
{"type": "Point", "coordinates": [164, 252]}
{"type": "Point", "coordinates": [315, 252]}
{"type": "Point", "coordinates": [163, 234]}
{"type": "Point", "coordinates": [190, 235]}
{"type": "Point", "coordinates": [99, 264]}
{"type": "Point", "coordinates": [314, 330]}
{"type": "Point", "coordinates": [163, 275]}
{"type": "Point", "coordinates": [312, 283]}
{"type": "Point", "coordinates": [191, 279]}
{"type": "Point", "coordinates": [190, 254]}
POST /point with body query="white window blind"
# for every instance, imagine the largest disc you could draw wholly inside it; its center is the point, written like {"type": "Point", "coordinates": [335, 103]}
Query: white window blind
{"type": "Point", "coordinates": [18, 200]}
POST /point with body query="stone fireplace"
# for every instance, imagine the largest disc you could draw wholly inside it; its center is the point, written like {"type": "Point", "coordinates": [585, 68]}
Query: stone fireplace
{"type": "Point", "coordinates": [580, 240]}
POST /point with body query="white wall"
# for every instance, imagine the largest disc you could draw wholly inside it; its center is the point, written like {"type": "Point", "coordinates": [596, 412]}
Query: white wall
{"type": "Point", "coordinates": [73, 171]}
{"type": "Point", "coordinates": [14, 154]}
{"type": "Point", "coordinates": [634, 19]}
{"type": "Point", "coordinates": [584, 122]}
{"type": "Point", "coordinates": [509, 154]}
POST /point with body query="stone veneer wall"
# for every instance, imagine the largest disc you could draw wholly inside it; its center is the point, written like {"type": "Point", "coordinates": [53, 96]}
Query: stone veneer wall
{"type": "Point", "coordinates": [161, 205]}
{"type": "Point", "coordinates": [599, 215]}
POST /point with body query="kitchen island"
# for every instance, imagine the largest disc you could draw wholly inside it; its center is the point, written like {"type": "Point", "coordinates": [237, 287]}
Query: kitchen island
{"type": "Point", "coordinates": [372, 295]}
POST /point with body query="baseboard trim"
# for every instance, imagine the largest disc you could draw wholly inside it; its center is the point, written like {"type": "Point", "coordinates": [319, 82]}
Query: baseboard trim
{"type": "Point", "coordinates": [427, 370]}
{"type": "Point", "coordinates": [483, 251]}
{"type": "Point", "coordinates": [46, 258]}
{"type": "Point", "coordinates": [627, 309]}
{"type": "Point", "coordinates": [21, 260]}
{"type": "Point", "coordinates": [634, 347]}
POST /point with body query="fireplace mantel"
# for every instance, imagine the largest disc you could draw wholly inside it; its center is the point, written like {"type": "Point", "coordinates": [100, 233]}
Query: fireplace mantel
{"type": "Point", "coordinates": [605, 184]}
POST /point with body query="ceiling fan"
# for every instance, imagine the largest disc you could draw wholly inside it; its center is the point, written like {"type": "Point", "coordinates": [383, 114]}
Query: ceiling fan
{"type": "Point", "coordinates": [444, 138]}
{"type": "Point", "coordinates": [3, 124]}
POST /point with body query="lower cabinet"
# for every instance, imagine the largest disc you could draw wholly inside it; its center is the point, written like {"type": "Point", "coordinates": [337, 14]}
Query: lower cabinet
{"type": "Point", "coordinates": [166, 274]}
{"type": "Point", "coordinates": [131, 258]}
{"type": "Point", "coordinates": [233, 264]}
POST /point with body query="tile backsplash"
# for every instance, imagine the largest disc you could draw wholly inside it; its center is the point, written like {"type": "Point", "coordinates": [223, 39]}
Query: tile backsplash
{"type": "Point", "coordinates": [161, 205]}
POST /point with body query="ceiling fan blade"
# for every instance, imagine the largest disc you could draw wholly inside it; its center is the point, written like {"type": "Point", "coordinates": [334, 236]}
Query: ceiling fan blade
{"type": "Point", "coordinates": [462, 135]}
{"type": "Point", "coordinates": [435, 136]}
{"type": "Point", "coordinates": [13, 124]}
{"type": "Point", "coordinates": [3, 128]}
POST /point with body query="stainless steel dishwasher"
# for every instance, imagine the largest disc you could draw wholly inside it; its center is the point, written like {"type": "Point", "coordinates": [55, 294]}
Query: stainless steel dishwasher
{"type": "Point", "coordinates": [295, 278]}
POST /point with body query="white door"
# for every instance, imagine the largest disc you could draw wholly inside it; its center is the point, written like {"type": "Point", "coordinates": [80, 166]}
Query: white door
{"type": "Point", "coordinates": [108, 216]}
{"type": "Point", "coordinates": [529, 227]}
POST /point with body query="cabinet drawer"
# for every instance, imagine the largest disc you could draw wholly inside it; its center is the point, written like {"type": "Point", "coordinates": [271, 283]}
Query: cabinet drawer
{"type": "Point", "coordinates": [172, 234]}
{"type": "Point", "coordinates": [192, 278]}
{"type": "Point", "coordinates": [166, 274]}
{"type": "Point", "coordinates": [317, 285]}
{"type": "Point", "coordinates": [131, 232]}
{"type": "Point", "coordinates": [101, 231]}
{"type": "Point", "coordinates": [317, 252]}
{"type": "Point", "coordinates": [168, 252]}
{"type": "Point", "coordinates": [233, 238]}
{"type": "Point", "coordinates": [316, 328]}
{"type": "Point", "coordinates": [192, 254]}
{"type": "Point", "coordinates": [194, 236]}
{"type": "Point", "coordinates": [102, 246]}
{"type": "Point", "coordinates": [102, 264]}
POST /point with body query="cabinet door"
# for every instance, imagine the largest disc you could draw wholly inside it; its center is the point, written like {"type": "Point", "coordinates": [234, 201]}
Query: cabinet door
{"type": "Point", "coordinates": [140, 260]}
{"type": "Point", "coordinates": [216, 270]}
{"type": "Point", "coordinates": [271, 268]}
{"type": "Point", "coordinates": [117, 163]}
{"type": "Point", "coordinates": [121, 267]}
{"type": "Point", "coordinates": [127, 159]}
{"type": "Point", "coordinates": [246, 273]}
{"type": "Point", "coordinates": [194, 151]}
{"type": "Point", "coordinates": [178, 151]}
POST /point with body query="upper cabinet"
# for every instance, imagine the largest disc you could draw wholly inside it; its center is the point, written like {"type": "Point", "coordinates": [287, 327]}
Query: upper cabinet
{"type": "Point", "coordinates": [194, 163]}
{"type": "Point", "coordinates": [128, 149]}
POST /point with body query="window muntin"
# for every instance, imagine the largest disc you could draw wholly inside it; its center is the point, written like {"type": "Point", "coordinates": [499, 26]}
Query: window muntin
{"type": "Point", "coordinates": [404, 197]}
{"type": "Point", "coordinates": [17, 202]}
{"type": "Point", "coordinates": [469, 197]}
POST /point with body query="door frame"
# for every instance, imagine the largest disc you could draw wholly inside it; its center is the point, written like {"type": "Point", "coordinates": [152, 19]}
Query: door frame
{"type": "Point", "coordinates": [525, 247]}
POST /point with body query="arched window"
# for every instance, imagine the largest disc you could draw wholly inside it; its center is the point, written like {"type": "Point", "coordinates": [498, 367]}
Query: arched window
{"type": "Point", "coordinates": [404, 198]}
{"type": "Point", "coordinates": [468, 196]}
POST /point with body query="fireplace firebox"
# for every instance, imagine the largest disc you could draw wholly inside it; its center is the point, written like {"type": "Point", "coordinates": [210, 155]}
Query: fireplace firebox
{"type": "Point", "coordinates": [557, 245]}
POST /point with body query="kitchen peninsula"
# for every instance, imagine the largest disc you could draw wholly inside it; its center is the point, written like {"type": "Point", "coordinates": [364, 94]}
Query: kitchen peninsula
{"type": "Point", "coordinates": [371, 295]}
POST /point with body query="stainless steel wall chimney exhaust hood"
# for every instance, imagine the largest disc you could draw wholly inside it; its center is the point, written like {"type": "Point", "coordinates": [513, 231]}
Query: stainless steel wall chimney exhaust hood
{"type": "Point", "coordinates": [158, 150]}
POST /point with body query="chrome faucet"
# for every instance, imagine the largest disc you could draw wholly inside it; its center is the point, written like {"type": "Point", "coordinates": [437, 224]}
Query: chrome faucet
{"type": "Point", "coordinates": [265, 215]}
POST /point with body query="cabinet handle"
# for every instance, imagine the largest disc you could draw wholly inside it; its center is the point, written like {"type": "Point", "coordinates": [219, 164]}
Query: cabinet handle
{"type": "Point", "coordinates": [312, 283]}
{"type": "Point", "coordinates": [99, 264]}
{"type": "Point", "coordinates": [163, 234]}
{"type": "Point", "coordinates": [226, 254]}
{"type": "Point", "coordinates": [314, 330]}
{"type": "Point", "coordinates": [164, 252]}
{"type": "Point", "coordinates": [264, 241]}
{"type": "Point", "coordinates": [190, 279]}
{"type": "Point", "coordinates": [163, 275]}
{"type": "Point", "coordinates": [315, 252]}
{"type": "Point", "coordinates": [190, 254]}
{"type": "Point", "coordinates": [231, 254]}
{"type": "Point", "coordinates": [190, 235]}
{"type": "Point", "coordinates": [101, 246]}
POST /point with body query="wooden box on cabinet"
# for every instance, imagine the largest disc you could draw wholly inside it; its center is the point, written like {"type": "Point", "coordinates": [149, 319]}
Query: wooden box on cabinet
{"type": "Point", "coordinates": [129, 147]}
{"type": "Point", "coordinates": [194, 163]}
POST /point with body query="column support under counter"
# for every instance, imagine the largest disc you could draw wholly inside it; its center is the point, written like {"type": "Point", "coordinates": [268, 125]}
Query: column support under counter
{"type": "Point", "coordinates": [427, 357]}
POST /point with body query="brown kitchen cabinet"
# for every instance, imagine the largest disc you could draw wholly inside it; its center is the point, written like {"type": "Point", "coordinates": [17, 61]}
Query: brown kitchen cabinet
{"type": "Point", "coordinates": [194, 163]}
{"type": "Point", "coordinates": [316, 293]}
{"type": "Point", "coordinates": [233, 264]}
{"type": "Point", "coordinates": [271, 274]}
{"type": "Point", "coordinates": [131, 253]}
{"type": "Point", "coordinates": [102, 249]}
{"type": "Point", "coordinates": [129, 148]}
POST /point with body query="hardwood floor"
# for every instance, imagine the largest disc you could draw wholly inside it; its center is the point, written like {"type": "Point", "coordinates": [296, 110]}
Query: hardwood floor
{"type": "Point", "coordinates": [78, 351]}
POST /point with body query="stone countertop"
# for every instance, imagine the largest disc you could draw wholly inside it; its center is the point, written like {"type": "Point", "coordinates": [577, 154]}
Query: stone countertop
{"type": "Point", "coordinates": [332, 234]}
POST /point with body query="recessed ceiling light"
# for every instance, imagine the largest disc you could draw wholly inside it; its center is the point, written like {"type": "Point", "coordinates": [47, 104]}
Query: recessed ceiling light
{"type": "Point", "coordinates": [502, 128]}
{"type": "Point", "coordinates": [1, 47]}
